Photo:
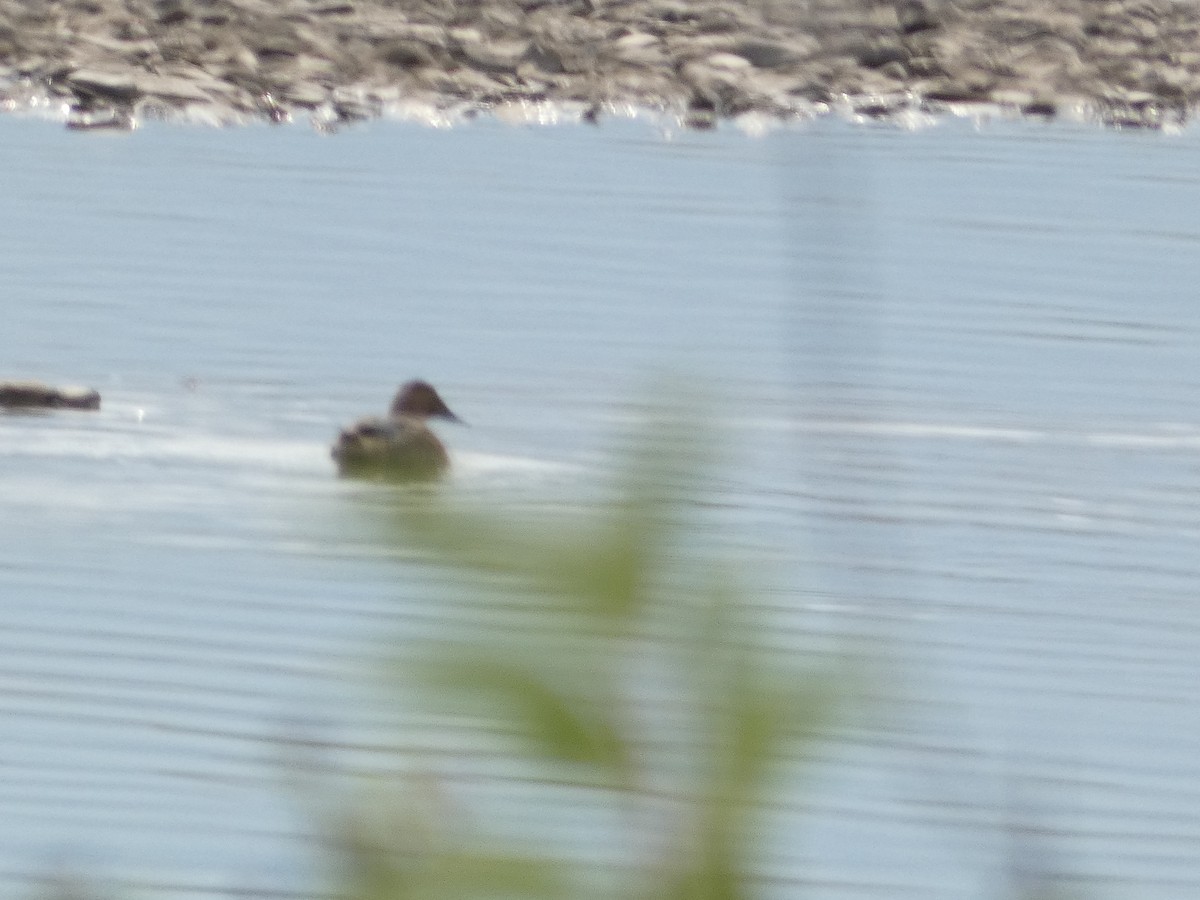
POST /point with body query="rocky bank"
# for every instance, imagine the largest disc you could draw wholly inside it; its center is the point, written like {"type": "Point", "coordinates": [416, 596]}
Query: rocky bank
{"type": "Point", "coordinates": [109, 62]}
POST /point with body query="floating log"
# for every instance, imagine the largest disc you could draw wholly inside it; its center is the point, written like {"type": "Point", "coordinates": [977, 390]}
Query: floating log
{"type": "Point", "coordinates": [36, 395]}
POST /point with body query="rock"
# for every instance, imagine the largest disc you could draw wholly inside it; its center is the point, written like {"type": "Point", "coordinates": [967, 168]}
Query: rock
{"type": "Point", "coordinates": [492, 56]}
{"type": "Point", "coordinates": [168, 87]}
{"type": "Point", "coordinates": [640, 49]}
{"type": "Point", "coordinates": [547, 59]}
{"type": "Point", "coordinates": [730, 62]}
{"type": "Point", "coordinates": [673, 11]}
{"type": "Point", "coordinates": [140, 49]}
{"type": "Point", "coordinates": [914, 16]}
{"type": "Point", "coordinates": [405, 53]}
{"type": "Point", "coordinates": [172, 12]}
{"type": "Point", "coordinates": [766, 54]}
{"type": "Point", "coordinates": [1041, 108]}
{"type": "Point", "coordinates": [878, 53]}
{"type": "Point", "coordinates": [332, 8]}
{"type": "Point", "coordinates": [306, 93]}
{"type": "Point", "coordinates": [950, 91]}
{"type": "Point", "coordinates": [104, 118]}
{"type": "Point", "coordinates": [715, 91]}
{"type": "Point", "coordinates": [273, 46]}
{"type": "Point", "coordinates": [118, 87]}
{"type": "Point", "coordinates": [923, 66]}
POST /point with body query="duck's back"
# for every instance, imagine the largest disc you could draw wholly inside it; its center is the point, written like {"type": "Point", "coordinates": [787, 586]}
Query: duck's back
{"type": "Point", "coordinates": [398, 447]}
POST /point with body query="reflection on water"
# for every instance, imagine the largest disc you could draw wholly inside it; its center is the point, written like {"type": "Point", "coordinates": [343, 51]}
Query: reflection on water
{"type": "Point", "coordinates": [955, 371]}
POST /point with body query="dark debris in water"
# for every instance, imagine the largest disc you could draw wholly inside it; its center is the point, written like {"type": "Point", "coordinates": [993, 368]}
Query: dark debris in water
{"type": "Point", "coordinates": [27, 395]}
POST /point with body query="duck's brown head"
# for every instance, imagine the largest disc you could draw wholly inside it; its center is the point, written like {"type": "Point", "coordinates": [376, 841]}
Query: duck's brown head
{"type": "Point", "coordinates": [419, 400]}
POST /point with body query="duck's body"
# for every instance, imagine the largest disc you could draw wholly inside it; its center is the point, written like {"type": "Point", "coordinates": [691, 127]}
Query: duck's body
{"type": "Point", "coordinates": [398, 446]}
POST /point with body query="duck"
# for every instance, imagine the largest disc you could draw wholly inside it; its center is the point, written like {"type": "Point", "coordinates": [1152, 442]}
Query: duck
{"type": "Point", "coordinates": [398, 446]}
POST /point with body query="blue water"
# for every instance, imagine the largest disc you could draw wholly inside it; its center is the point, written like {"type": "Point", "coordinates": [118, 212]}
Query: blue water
{"type": "Point", "coordinates": [954, 371]}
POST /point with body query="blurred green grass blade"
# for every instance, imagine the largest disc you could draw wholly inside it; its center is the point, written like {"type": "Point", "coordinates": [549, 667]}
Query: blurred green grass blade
{"type": "Point", "coordinates": [560, 714]}
{"type": "Point", "coordinates": [379, 874]}
{"type": "Point", "coordinates": [592, 569]}
{"type": "Point", "coordinates": [373, 868]}
{"type": "Point", "coordinates": [709, 879]}
{"type": "Point", "coordinates": [496, 876]}
{"type": "Point", "coordinates": [607, 562]}
{"type": "Point", "coordinates": [766, 717]}
{"type": "Point", "coordinates": [755, 713]}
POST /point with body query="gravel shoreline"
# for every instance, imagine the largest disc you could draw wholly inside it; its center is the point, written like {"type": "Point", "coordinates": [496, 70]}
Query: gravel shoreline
{"type": "Point", "coordinates": [108, 63]}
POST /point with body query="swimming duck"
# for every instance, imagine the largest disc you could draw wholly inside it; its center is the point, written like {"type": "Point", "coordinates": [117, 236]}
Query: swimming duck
{"type": "Point", "coordinates": [399, 446]}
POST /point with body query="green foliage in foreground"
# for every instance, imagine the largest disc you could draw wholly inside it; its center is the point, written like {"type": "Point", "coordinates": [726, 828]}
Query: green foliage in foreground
{"type": "Point", "coordinates": [572, 620]}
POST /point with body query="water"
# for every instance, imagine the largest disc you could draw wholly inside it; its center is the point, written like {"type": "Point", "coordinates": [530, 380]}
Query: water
{"type": "Point", "coordinates": [955, 370]}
